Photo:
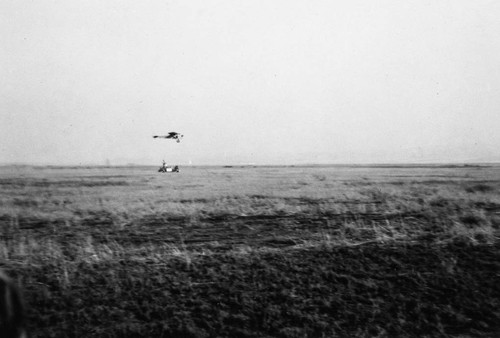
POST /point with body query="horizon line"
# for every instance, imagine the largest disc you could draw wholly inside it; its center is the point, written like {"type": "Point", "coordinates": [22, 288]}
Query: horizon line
{"type": "Point", "coordinates": [230, 165]}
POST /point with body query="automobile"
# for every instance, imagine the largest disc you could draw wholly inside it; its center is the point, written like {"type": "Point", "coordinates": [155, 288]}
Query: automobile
{"type": "Point", "coordinates": [169, 169]}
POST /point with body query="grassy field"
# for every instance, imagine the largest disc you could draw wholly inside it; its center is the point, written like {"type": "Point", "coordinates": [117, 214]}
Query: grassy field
{"type": "Point", "coordinates": [255, 251]}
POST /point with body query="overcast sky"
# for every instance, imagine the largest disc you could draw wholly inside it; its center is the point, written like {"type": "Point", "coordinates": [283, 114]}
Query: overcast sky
{"type": "Point", "coordinates": [249, 81]}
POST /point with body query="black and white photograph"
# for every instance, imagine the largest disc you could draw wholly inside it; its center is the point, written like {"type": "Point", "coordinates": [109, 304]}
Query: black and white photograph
{"type": "Point", "coordinates": [249, 168]}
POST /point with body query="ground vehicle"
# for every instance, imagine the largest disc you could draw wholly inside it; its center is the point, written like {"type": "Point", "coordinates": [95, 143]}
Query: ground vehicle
{"type": "Point", "coordinates": [168, 169]}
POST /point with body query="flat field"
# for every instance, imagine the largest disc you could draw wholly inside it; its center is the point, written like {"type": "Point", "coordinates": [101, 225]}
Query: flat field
{"type": "Point", "coordinates": [256, 251]}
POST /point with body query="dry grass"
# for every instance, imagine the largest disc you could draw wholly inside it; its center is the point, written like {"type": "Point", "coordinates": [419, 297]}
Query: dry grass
{"type": "Point", "coordinates": [129, 252]}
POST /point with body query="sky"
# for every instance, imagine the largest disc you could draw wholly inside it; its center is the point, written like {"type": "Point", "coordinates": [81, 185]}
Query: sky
{"type": "Point", "coordinates": [250, 81]}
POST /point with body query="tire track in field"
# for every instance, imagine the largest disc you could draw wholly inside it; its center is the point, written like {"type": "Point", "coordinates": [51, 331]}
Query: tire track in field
{"type": "Point", "coordinates": [263, 230]}
{"type": "Point", "coordinates": [223, 232]}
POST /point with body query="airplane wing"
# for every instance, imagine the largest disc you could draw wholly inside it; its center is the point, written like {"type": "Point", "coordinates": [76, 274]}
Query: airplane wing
{"type": "Point", "coordinates": [171, 134]}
